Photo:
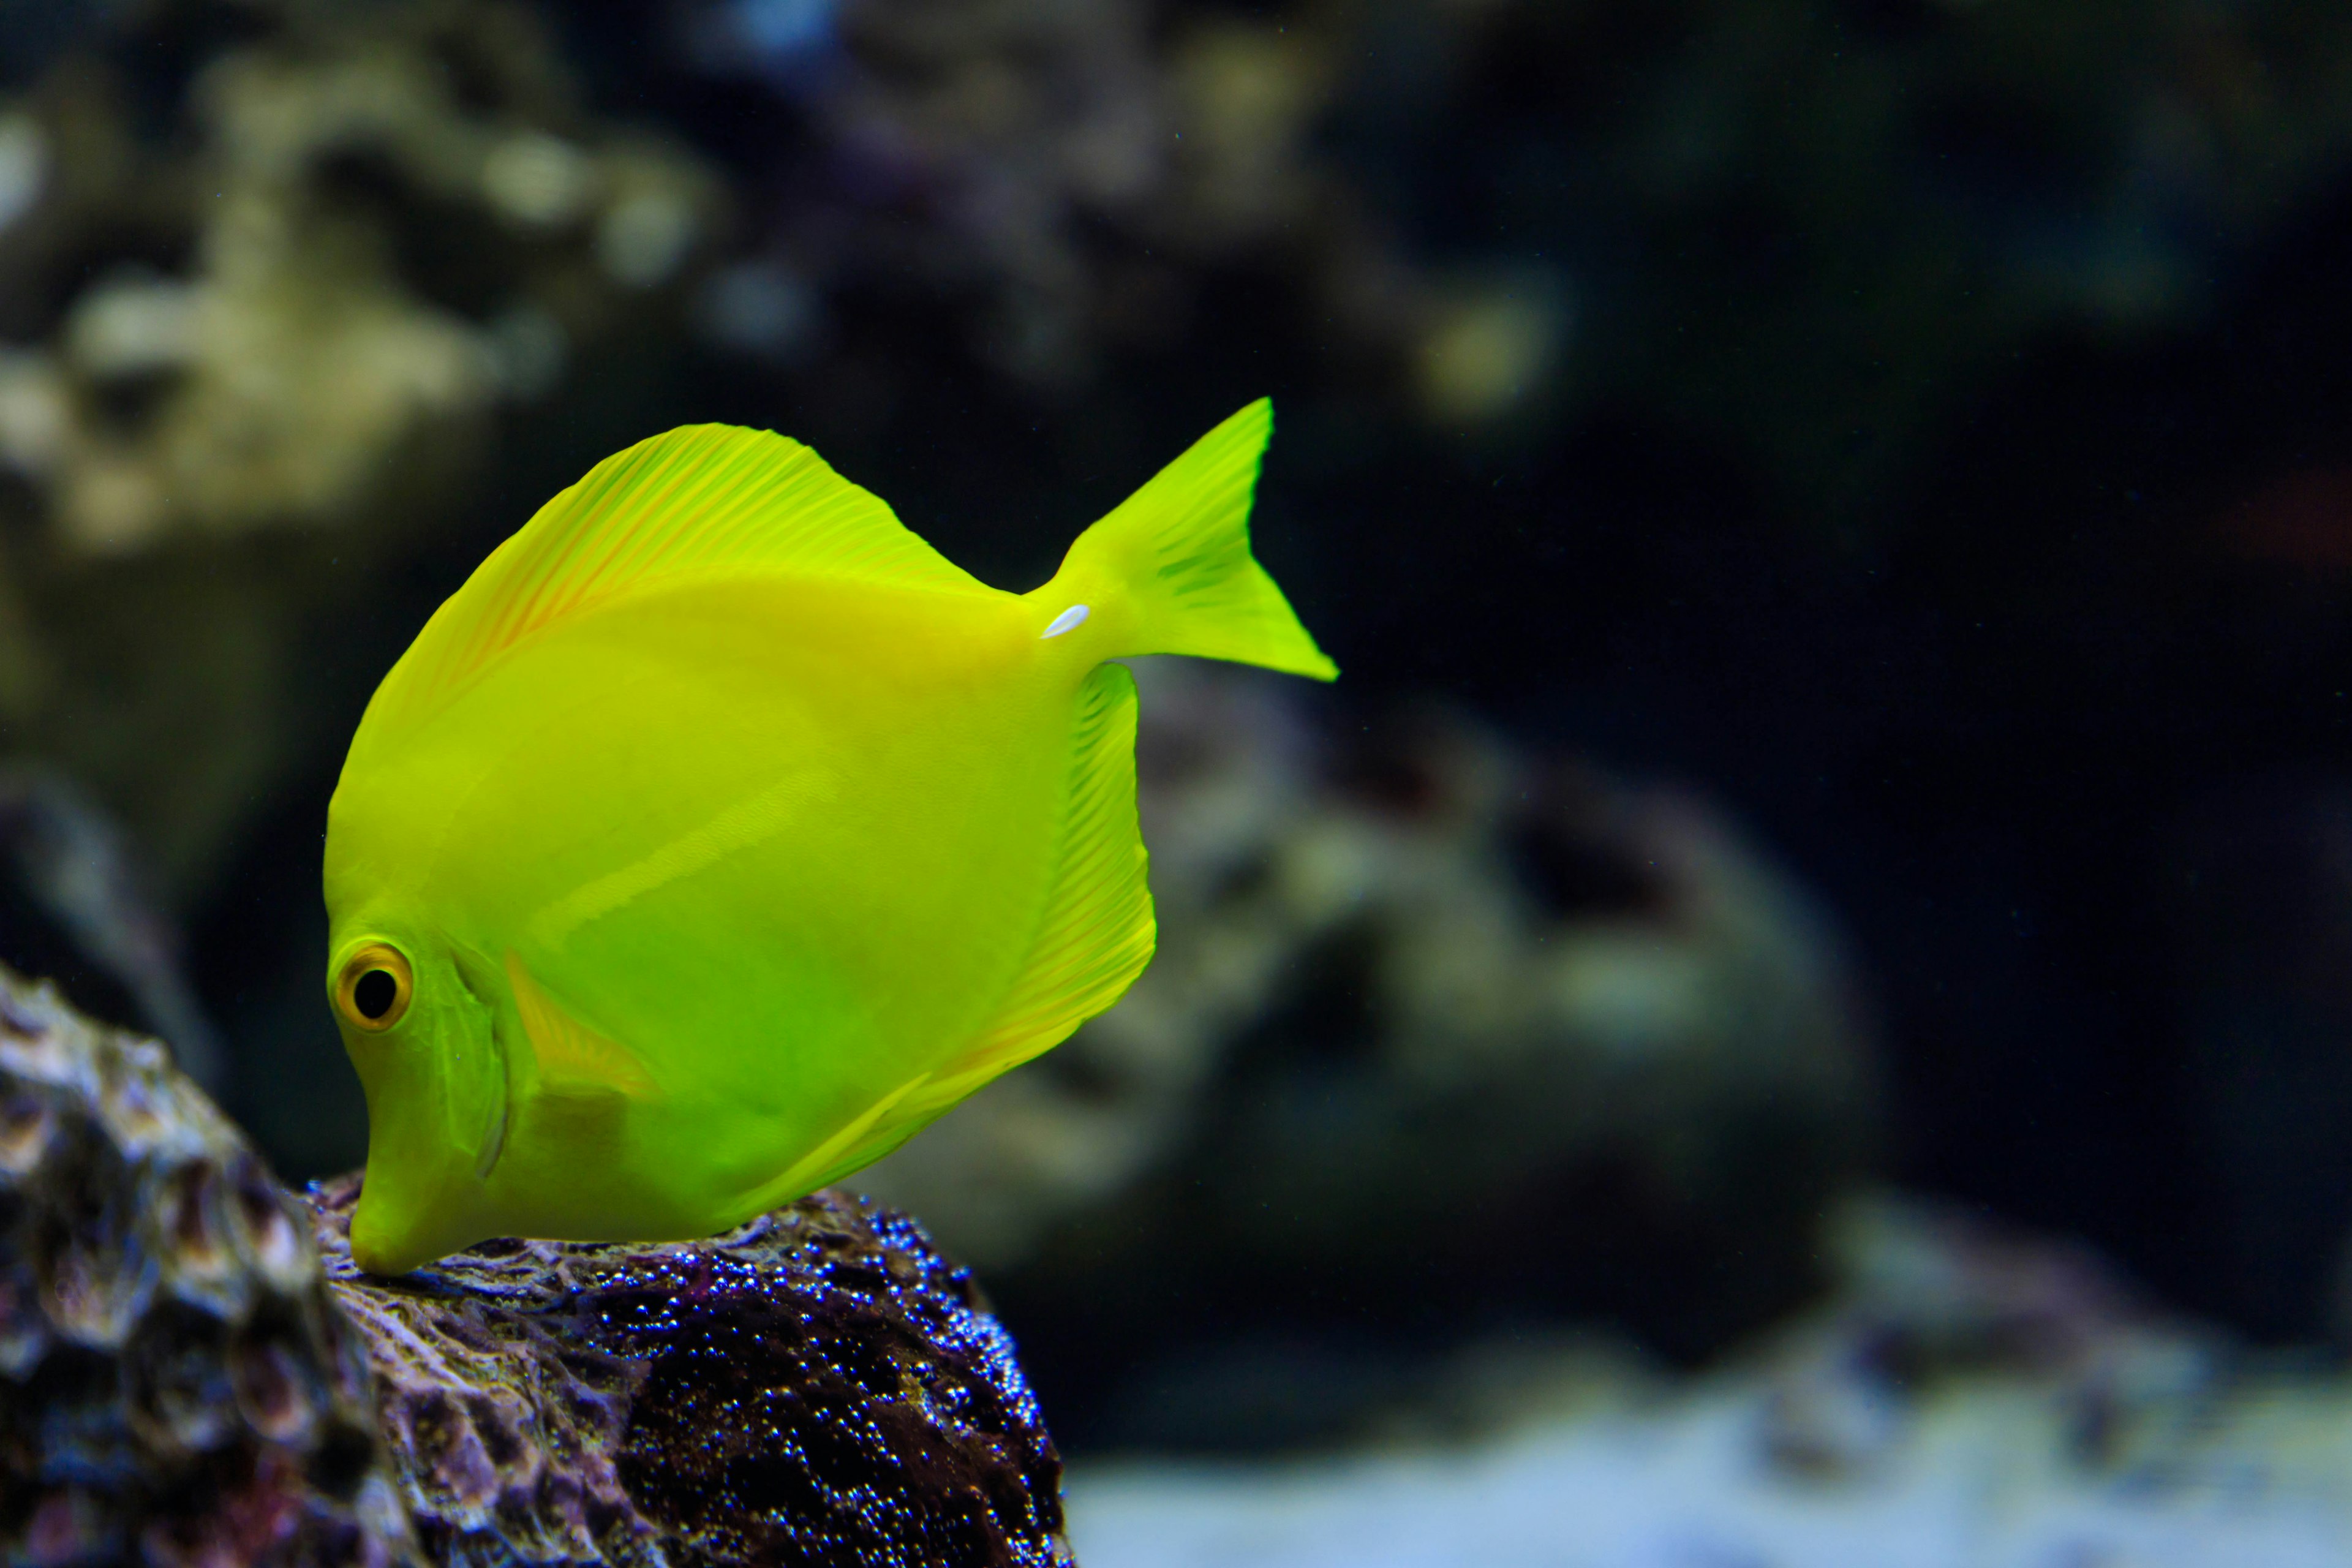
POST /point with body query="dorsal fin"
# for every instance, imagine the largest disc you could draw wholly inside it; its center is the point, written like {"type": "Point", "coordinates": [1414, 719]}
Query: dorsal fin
{"type": "Point", "coordinates": [700, 501]}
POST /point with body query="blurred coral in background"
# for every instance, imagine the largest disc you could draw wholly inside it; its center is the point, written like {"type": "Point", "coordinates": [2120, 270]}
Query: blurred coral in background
{"type": "Point", "coordinates": [262, 300]}
{"type": "Point", "coordinates": [1562, 1044]}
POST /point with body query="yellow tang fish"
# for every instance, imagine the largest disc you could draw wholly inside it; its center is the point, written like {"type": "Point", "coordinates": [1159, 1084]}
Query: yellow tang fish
{"type": "Point", "coordinates": [719, 834]}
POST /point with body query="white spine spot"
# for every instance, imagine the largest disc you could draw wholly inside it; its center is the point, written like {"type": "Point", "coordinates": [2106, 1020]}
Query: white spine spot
{"type": "Point", "coordinates": [1075, 615]}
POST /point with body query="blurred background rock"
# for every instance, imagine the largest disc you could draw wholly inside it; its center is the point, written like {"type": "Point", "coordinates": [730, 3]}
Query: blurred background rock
{"type": "Point", "coordinates": [1834, 515]}
{"type": "Point", "coordinates": [1439, 1042]}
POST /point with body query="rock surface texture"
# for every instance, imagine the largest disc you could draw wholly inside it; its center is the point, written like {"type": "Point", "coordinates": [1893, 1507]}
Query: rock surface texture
{"type": "Point", "coordinates": [182, 1381]}
{"type": "Point", "coordinates": [176, 1386]}
{"type": "Point", "coordinates": [818, 1386]}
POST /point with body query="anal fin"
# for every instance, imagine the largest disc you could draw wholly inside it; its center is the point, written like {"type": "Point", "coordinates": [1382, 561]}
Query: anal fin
{"type": "Point", "coordinates": [1094, 936]}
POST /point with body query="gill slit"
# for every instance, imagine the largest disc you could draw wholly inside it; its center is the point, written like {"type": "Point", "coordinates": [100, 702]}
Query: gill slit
{"type": "Point", "coordinates": [494, 1142]}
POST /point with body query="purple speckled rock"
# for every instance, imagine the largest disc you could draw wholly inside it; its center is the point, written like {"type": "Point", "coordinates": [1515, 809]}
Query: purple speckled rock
{"type": "Point", "coordinates": [818, 1386]}
{"type": "Point", "coordinates": [181, 1383]}
{"type": "Point", "coordinates": [177, 1386]}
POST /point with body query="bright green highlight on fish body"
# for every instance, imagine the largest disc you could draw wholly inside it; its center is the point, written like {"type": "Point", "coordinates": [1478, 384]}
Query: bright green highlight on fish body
{"type": "Point", "coordinates": [719, 834]}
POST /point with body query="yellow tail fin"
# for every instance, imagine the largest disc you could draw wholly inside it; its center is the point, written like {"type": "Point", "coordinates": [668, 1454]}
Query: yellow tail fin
{"type": "Point", "coordinates": [1170, 570]}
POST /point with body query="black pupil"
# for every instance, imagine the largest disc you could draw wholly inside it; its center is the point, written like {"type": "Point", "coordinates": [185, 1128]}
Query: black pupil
{"type": "Point", "coordinates": [376, 993]}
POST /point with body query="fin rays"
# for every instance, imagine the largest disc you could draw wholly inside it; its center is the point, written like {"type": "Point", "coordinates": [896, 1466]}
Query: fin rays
{"type": "Point", "coordinates": [1094, 936]}
{"type": "Point", "coordinates": [1095, 933]}
{"type": "Point", "coordinates": [702, 500]}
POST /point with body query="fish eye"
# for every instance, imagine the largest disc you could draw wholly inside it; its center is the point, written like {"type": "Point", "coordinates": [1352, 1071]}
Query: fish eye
{"type": "Point", "coordinates": [374, 988]}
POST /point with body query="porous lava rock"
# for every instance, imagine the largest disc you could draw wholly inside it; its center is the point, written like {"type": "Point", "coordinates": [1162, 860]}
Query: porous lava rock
{"type": "Point", "coordinates": [177, 1386]}
{"type": "Point", "coordinates": [182, 1383]}
{"type": "Point", "coordinates": [818, 1386]}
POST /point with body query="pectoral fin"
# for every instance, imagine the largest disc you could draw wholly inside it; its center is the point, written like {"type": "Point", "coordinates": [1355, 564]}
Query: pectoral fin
{"type": "Point", "coordinates": [572, 1058]}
